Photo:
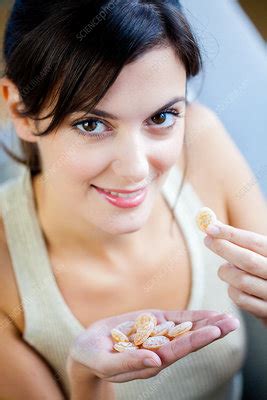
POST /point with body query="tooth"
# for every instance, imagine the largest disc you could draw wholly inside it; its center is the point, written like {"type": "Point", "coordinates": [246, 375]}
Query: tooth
{"type": "Point", "coordinates": [123, 195]}
{"type": "Point", "coordinates": [126, 195]}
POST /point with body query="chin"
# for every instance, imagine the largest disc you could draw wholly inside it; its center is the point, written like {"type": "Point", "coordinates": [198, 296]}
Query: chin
{"type": "Point", "coordinates": [124, 230]}
{"type": "Point", "coordinates": [124, 227]}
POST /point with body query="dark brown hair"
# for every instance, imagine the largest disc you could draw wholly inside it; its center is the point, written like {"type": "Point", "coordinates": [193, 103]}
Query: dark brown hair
{"type": "Point", "coordinates": [68, 53]}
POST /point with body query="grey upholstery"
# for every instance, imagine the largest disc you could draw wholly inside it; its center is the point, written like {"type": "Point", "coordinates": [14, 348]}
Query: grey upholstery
{"type": "Point", "coordinates": [234, 83]}
{"type": "Point", "coordinates": [8, 168]}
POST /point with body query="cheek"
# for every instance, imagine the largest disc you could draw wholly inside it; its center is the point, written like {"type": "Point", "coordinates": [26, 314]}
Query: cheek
{"type": "Point", "coordinates": [167, 152]}
{"type": "Point", "coordinates": [65, 163]}
{"type": "Point", "coordinates": [85, 165]}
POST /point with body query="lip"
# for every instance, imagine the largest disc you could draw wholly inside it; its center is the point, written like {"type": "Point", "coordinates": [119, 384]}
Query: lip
{"type": "Point", "coordinates": [120, 190]}
{"type": "Point", "coordinates": [121, 202]}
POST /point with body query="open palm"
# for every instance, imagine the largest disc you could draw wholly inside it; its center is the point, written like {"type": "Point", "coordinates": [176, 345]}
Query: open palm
{"type": "Point", "coordinates": [94, 347]}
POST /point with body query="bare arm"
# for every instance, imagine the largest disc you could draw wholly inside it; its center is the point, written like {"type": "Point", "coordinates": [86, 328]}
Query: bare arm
{"type": "Point", "coordinates": [96, 389]}
{"type": "Point", "coordinates": [86, 386]}
{"type": "Point", "coordinates": [242, 243]}
{"type": "Point", "coordinates": [213, 149]}
{"type": "Point", "coordinates": [23, 374]}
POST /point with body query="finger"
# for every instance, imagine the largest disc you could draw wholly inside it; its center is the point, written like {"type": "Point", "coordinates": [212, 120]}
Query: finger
{"type": "Point", "coordinates": [248, 303]}
{"type": "Point", "coordinates": [188, 343]}
{"type": "Point", "coordinates": [189, 315]}
{"type": "Point", "coordinates": [246, 239]}
{"type": "Point", "coordinates": [244, 259]}
{"type": "Point", "coordinates": [216, 320]}
{"type": "Point", "coordinates": [111, 364]}
{"type": "Point", "coordinates": [227, 325]}
{"type": "Point", "coordinates": [243, 281]}
{"type": "Point", "coordinates": [130, 376]}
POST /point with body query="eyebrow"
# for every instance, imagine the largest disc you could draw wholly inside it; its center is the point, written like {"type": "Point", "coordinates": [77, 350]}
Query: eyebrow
{"type": "Point", "coordinates": [105, 114]}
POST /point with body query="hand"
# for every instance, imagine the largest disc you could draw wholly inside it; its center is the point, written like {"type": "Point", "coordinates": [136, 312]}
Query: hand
{"type": "Point", "coordinates": [92, 350]}
{"type": "Point", "coordinates": [246, 269]}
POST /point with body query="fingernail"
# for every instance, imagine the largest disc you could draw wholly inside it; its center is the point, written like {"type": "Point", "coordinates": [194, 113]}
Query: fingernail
{"type": "Point", "coordinates": [149, 362]}
{"type": "Point", "coordinates": [213, 230]}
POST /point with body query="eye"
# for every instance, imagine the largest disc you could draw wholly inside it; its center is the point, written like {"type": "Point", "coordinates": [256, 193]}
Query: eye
{"type": "Point", "coordinates": [162, 121]}
{"type": "Point", "coordinates": [91, 127]}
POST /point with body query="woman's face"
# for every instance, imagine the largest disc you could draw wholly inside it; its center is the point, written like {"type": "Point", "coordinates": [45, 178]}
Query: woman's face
{"type": "Point", "coordinates": [134, 148]}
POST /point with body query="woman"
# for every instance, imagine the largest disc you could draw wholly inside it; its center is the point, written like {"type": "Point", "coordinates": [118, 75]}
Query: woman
{"type": "Point", "coordinates": [77, 261]}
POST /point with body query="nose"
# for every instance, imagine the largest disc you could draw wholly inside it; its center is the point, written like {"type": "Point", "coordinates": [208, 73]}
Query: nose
{"type": "Point", "coordinates": [131, 163]}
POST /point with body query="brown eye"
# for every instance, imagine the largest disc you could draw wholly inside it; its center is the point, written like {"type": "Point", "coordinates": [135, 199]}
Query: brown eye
{"type": "Point", "coordinates": [165, 119]}
{"type": "Point", "coordinates": [89, 126]}
{"type": "Point", "coordinates": [159, 118]}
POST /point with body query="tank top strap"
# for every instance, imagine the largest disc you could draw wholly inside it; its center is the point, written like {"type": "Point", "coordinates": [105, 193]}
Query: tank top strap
{"type": "Point", "coordinates": [186, 206]}
{"type": "Point", "coordinates": [188, 195]}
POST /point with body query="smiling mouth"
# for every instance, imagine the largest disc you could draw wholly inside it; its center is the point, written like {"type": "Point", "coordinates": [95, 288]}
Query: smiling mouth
{"type": "Point", "coordinates": [123, 194]}
{"type": "Point", "coordinates": [118, 192]}
{"type": "Point", "coordinates": [123, 191]}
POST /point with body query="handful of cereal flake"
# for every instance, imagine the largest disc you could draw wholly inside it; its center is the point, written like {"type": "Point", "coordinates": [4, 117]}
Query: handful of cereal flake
{"type": "Point", "coordinates": [145, 333]}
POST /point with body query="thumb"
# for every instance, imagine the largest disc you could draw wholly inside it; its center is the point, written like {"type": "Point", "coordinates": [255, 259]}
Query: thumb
{"type": "Point", "coordinates": [111, 364]}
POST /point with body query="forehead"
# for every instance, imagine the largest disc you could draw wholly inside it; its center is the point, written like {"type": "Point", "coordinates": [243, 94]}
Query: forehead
{"type": "Point", "coordinates": [146, 84]}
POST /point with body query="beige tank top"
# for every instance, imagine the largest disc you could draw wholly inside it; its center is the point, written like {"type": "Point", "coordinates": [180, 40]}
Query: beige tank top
{"type": "Point", "coordinates": [50, 327]}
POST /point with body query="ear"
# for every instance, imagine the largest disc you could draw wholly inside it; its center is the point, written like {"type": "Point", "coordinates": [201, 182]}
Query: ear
{"type": "Point", "coordinates": [24, 126]}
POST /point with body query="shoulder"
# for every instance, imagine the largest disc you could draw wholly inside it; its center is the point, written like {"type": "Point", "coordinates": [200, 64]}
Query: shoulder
{"type": "Point", "coordinates": [207, 141]}
{"type": "Point", "coordinates": [10, 303]}
{"type": "Point", "coordinates": [215, 162]}
{"type": "Point", "coordinates": [204, 135]}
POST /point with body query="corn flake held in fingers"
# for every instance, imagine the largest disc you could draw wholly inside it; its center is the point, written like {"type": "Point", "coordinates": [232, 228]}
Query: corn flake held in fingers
{"type": "Point", "coordinates": [205, 217]}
